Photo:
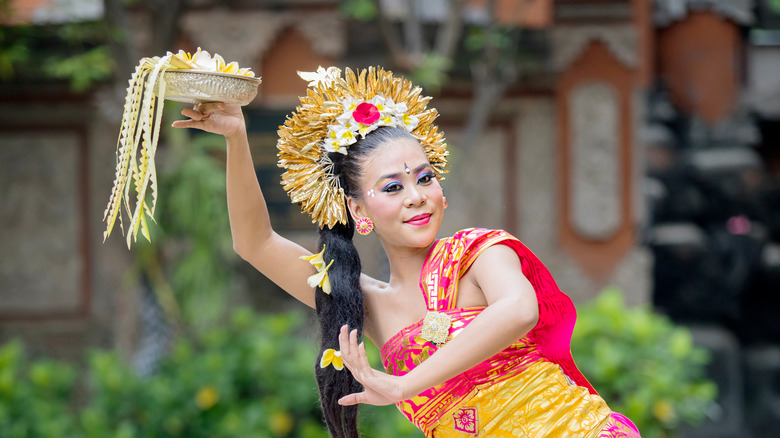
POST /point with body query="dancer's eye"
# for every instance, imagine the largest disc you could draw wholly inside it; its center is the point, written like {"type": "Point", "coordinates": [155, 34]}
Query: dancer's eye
{"type": "Point", "coordinates": [426, 178]}
{"type": "Point", "coordinates": [392, 187]}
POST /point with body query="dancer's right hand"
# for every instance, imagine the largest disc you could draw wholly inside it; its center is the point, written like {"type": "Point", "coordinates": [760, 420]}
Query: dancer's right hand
{"type": "Point", "coordinates": [379, 388]}
{"type": "Point", "coordinates": [217, 118]}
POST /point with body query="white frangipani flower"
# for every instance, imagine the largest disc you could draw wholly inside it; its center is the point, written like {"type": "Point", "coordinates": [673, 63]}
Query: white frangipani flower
{"type": "Point", "coordinates": [410, 122]}
{"type": "Point", "coordinates": [321, 76]}
{"type": "Point", "coordinates": [347, 129]}
{"type": "Point", "coordinates": [203, 61]}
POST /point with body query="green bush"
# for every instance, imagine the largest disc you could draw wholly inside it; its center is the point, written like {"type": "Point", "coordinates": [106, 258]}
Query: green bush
{"type": "Point", "coordinates": [251, 377]}
{"type": "Point", "coordinates": [642, 364]}
{"type": "Point", "coordinates": [34, 399]}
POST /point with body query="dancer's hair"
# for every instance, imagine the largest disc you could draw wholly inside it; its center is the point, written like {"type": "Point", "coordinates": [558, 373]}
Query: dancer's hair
{"type": "Point", "coordinates": [344, 305]}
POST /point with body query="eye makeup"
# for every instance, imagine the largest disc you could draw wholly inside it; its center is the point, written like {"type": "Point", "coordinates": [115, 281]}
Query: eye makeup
{"type": "Point", "coordinates": [426, 173]}
{"type": "Point", "coordinates": [399, 175]}
{"type": "Point", "coordinates": [391, 186]}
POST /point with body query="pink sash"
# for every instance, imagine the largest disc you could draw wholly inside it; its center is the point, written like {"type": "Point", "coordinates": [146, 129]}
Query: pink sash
{"type": "Point", "coordinates": [451, 258]}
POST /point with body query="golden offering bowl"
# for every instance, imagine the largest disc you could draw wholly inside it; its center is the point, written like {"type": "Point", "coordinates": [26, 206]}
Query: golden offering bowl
{"type": "Point", "coordinates": [196, 86]}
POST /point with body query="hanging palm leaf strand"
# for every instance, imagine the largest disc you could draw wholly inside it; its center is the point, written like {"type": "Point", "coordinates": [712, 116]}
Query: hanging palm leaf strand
{"type": "Point", "coordinates": [189, 78]}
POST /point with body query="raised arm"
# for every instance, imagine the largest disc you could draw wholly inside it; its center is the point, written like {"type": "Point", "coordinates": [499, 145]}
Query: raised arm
{"type": "Point", "coordinates": [253, 238]}
{"type": "Point", "coordinates": [511, 313]}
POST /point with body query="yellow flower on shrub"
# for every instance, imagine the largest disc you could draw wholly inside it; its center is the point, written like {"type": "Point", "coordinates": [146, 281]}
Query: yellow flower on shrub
{"type": "Point", "coordinates": [281, 423]}
{"type": "Point", "coordinates": [207, 397]}
{"type": "Point", "coordinates": [663, 411]}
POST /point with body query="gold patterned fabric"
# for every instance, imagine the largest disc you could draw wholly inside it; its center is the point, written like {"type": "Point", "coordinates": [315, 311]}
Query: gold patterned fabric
{"type": "Point", "coordinates": [530, 389]}
{"type": "Point", "coordinates": [539, 402]}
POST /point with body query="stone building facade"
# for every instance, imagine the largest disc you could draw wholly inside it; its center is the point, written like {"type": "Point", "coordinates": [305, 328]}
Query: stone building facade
{"type": "Point", "coordinates": [626, 88]}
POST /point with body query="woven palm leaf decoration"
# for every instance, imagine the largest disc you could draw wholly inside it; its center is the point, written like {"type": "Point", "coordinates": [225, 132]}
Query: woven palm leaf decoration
{"type": "Point", "coordinates": [140, 128]}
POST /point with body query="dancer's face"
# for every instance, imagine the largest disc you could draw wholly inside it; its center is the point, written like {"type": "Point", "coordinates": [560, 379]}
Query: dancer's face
{"type": "Point", "coordinates": [400, 194]}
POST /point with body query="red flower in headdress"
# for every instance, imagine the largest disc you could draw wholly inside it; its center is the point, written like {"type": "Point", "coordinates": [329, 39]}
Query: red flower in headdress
{"type": "Point", "coordinates": [366, 113]}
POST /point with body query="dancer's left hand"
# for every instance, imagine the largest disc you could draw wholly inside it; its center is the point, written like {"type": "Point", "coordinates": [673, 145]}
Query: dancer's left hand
{"type": "Point", "coordinates": [379, 388]}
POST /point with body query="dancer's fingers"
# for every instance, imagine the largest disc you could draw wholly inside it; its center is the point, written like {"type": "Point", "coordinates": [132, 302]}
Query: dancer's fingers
{"type": "Point", "coordinates": [353, 399]}
{"type": "Point", "coordinates": [192, 113]}
{"type": "Point", "coordinates": [210, 107]}
{"type": "Point", "coordinates": [344, 341]}
{"type": "Point", "coordinates": [354, 356]}
{"type": "Point", "coordinates": [215, 117]}
{"type": "Point", "coordinates": [353, 345]}
{"type": "Point", "coordinates": [186, 123]}
{"type": "Point", "coordinates": [363, 357]}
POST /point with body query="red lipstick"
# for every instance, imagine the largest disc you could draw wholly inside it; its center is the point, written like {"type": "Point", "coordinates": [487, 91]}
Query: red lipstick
{"type": "Point", "coordinates": [419, 220]}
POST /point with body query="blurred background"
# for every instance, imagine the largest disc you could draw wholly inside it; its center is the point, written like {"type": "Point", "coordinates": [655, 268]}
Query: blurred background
{"type": "Point", "coordinates": [631, 144]}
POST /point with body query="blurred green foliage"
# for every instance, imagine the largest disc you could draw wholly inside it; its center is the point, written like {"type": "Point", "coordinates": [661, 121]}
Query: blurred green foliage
{"type": "Point", "coordinates": [190, 262]}
{"type": "Point", "coordinates": [360, 10]}
{"type": "Point", "coordinates": [83, 69]}
{"type": "Point", "coordinates": [73, 52]}
{"type": "Point", "coordinates": [432, 72]}
{"type": "Point", "coordinates": [643, 365]}
{"type": "Point", "coordinates": [34, 397]}
{"type": "Point", "coordinates": [251, 377]}
{"type": "Point", "coordinates": [13, 52]}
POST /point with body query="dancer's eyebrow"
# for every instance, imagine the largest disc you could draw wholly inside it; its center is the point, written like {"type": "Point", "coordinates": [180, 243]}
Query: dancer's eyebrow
{"type": "Point", "coordinates": [398, 175]}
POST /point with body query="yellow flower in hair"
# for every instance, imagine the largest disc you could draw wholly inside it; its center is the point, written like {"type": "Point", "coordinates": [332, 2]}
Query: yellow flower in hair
{"type": "Point", "coordinates": [332, 357]}
{"type": "Point", "coordinates": [321, 279]}
{"type": "Point", "coordinates": [316, 259]}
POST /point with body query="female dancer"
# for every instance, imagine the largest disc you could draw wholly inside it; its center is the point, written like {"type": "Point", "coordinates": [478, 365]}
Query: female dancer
{"type": "Point", "coordinates": [474, 331]}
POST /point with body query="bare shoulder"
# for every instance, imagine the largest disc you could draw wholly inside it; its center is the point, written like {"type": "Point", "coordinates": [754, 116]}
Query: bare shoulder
{"type": "Point", "coordinates": [497, 257]}
{"type": "Point", "coordinates": [373, 289]}
{"type": "Point", "coordinates": [497, 271]}
{"type": "Point", "coordinates": [370, 284]}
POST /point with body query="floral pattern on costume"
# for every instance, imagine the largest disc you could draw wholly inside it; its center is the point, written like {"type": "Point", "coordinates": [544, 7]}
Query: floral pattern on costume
{"type": "Point", "coordinates": [467, 420]}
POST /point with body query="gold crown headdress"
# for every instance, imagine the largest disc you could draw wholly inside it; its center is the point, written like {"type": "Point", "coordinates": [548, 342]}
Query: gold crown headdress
{"type": "Point", "coordinates": [336, 112]}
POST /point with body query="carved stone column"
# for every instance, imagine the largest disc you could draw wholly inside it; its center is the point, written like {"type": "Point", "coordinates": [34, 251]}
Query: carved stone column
{"type": "Point", "coordinates": [600, 74]}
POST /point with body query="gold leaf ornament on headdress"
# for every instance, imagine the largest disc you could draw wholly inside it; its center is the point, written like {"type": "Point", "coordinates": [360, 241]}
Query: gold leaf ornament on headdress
{"type": "Point", "coordinates": [335, 113]}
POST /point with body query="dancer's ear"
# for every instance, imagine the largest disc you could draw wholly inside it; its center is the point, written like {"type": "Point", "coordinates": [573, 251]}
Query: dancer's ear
{"type": "Point", "coordinates": [356, 208]}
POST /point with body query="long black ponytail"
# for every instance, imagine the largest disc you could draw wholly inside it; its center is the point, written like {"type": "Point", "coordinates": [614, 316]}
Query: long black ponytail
{"type": "Point", "coordinates": [344, 305]}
